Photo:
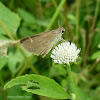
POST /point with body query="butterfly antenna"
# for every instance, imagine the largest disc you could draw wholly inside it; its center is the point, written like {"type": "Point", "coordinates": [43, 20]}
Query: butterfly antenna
{"type": "Point", "coordinates": [71, 27]}
{"type": "Point", "coordinates": [59, 23]}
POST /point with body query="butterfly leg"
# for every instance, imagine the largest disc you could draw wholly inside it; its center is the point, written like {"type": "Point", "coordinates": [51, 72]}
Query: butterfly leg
{"type": "Point", "coordinates": [63, 40]}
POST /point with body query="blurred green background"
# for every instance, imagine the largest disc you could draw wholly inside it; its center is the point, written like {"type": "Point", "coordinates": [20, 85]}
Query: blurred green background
{"type": "Point", "coordinates": [35, 16]}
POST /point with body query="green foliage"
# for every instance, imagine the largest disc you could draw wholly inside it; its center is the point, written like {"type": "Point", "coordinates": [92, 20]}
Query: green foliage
{"type": "Point", "coordinates": [17, 93]}
{"type": "Point", "coordinates": [3, 61]}
{"type": "Point", "coordinates": [13, 60]}
{"type": "Point", "coordinates": [57, 70]}
{"type": "Point", "coordinates": [96, 55]}
{"type": "Point", "coordinates": [9, 21]}
{"type": "Point", "coordinates": [27, 17]}
{"type": "Point", "coordinates": [23, 18]}
{"type": "Point", "coordinates": [39, 85]}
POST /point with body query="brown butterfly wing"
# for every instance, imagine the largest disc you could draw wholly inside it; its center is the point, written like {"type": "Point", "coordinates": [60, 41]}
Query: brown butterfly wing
{"type": "Point", "coordinates": [40, 44]}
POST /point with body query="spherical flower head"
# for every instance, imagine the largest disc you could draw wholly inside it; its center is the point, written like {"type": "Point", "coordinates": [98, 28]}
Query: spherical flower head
{"type": "Point", "coordinates": [65, 53]}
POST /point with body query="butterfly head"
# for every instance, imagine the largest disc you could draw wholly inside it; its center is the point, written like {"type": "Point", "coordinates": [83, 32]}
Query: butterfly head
{"type": "Point", "coordinates": [61, 30]}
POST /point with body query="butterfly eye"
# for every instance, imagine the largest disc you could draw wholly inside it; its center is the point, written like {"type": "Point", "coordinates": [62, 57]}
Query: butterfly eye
{"type": "Point", "coordinates": [62, 31]}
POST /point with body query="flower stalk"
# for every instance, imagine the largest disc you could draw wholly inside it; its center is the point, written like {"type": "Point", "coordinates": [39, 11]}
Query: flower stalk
{"type": "Point", "coordinates": [72, 82]}
{"type": "Point", "coordinates": [66, 53]}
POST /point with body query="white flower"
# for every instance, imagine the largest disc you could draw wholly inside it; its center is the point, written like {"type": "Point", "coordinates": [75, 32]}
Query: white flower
{"type": "Point", "coordinates": [65, 53]}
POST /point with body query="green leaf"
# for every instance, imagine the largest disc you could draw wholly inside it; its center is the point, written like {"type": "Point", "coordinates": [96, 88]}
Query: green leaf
{"type": "Point", "coordinates": [72, 18]}
{"type": "Point", "coordinates": [16, 93]}
{"type": "Point", "coordinates": [3, 61]}
{"type": "Point", "coordinates": [83, 95]}
{"type": "Point", "coordinates": [39, 85]}
{"type": "Point", "coordinates": [98, 67]}
{"type": "Point", "coordinates": [96, 55]}
{"type": "Point", "coordinates": [29, 19]}
{"type": "Point", "coordinates": [9, 21]}
{"type": "Point", "coordinates": [56, 70]}
{"type": "Point", "coordinates": [14, 60]}
{"type": "Point", "coordinates": [26, 16]}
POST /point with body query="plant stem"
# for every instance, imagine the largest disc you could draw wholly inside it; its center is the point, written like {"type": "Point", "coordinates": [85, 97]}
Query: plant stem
{"type": "Point", "coordinates": [6, 31]}
{"type": "Point", "coordinates": [55, 5]}
{"type": "Point", "coordinates": [72, 82]}
{"type": "Point", "coordinates": [92, 31]}
{"type": "Point", "coordinates": [87, 11]}
{"type": "Point", "coordinates": [28, 61]}
{"type": "Point", "coordinates": [21, 71]}
{"type": "Point", "coordinates": [77, 18]}
{"type": "Point", "coordinates": [2, 85]}
{"type": "Point", "coordinates": [11, 4]}
{"type": "Point", "coordinates": [56, 14]}
{"type": "Point", "coordinates": [94, 65]}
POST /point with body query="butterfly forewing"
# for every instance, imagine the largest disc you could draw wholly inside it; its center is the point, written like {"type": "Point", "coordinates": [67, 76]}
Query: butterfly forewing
{"type": "Point", "coordinates": [40, 44]}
